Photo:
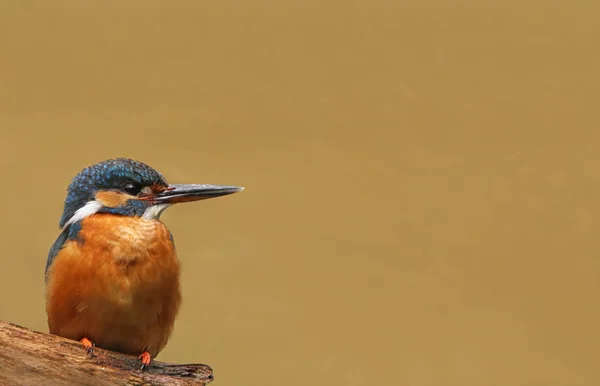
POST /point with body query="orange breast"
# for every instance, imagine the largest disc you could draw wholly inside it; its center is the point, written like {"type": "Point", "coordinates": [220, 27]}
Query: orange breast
{"type": "Point", "coordinates": [119, 287]}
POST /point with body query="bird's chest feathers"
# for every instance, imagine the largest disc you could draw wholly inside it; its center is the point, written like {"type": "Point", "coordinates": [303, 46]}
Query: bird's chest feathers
{"type": "Point", "coordinates": [134, 242]}
{"type": "Point", "coordinates": [127, 240]}
{"type": "Point", "coordinates": [136, 257]}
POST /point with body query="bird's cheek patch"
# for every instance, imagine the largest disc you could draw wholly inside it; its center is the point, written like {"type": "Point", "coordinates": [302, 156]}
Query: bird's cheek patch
{"type": "Point", "coordinates": [112, 199]}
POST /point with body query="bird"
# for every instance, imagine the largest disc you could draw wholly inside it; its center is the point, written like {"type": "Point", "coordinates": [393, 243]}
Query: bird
{"type": "Point", "coordinates": [113, 275]}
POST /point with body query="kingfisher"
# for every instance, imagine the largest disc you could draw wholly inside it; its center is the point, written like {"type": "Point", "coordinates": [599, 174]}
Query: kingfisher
{"type": "Point", "coordinates": [112, 275]}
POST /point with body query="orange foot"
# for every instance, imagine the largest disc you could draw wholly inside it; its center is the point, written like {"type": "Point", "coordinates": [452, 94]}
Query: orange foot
{"type": "Point", "coordinates": [146, 359]}
{"type": "Point", "coordinates": [89, 346]}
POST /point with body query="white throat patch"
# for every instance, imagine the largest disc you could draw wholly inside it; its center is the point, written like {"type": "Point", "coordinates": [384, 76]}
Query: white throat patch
{"type": "Point", "coordinates": [153, 212]}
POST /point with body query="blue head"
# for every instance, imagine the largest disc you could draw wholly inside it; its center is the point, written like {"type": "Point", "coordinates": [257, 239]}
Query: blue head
{"type": "Point", "coordinates": [111, 187]}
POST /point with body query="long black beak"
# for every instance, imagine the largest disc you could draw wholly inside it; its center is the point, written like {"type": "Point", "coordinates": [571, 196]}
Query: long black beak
{"type": "Point", "coordinates": [177, 193]}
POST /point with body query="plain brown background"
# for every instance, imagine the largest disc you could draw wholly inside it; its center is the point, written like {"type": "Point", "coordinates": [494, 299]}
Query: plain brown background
{"type": "Point", "coordinates": [422, 178]}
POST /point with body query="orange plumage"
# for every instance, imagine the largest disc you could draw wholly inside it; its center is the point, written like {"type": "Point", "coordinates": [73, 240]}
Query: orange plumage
{"type": "Point", "coordinates": [119, 288]}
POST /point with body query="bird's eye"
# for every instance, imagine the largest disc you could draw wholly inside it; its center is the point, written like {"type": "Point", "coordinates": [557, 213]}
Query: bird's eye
{"type": "Point", "coordinates": [131, 188]}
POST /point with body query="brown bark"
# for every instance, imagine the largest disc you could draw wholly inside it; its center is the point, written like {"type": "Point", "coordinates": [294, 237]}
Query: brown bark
{"type": "Point", "coordinates": [33, 358]}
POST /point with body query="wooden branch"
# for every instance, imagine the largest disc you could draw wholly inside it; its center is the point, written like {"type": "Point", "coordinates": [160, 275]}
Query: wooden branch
{"type": "Point", "coordinates": [33, 358]}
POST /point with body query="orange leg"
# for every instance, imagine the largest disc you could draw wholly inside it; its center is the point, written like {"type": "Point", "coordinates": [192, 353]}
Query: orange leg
{"type": "Point", "coordinates": [146, 359]}
{"type": "Point", "coordinates": [89, 346]}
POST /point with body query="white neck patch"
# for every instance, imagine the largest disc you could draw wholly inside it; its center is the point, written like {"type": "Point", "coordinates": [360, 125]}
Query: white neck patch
{"type": "Point", "coordinates": [88, 209]}
{"type": "Point", "coordinates": [92, 207]}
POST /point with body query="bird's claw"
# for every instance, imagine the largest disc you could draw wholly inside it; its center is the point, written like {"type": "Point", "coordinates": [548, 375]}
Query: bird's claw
{"type": "Point", "coordinates": [89, 346]}
{"type": "Point", "coordinates": [146, 359]}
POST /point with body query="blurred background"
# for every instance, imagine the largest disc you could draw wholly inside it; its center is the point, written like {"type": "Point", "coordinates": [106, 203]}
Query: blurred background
{"type": "Point", "coordinates": [421, 203]}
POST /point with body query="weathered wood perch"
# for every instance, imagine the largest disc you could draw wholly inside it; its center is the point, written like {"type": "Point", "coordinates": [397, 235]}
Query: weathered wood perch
{"type": "Point", "coordinates": [33, 358]}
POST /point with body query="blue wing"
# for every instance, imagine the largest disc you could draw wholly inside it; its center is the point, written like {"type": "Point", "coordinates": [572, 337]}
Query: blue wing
{"type": "Point", "coordinates": [71, 233]}
{"type": "Point", "coordinates": [56, 247]}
